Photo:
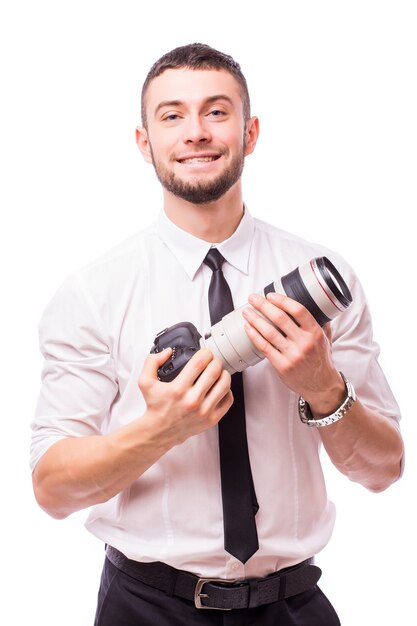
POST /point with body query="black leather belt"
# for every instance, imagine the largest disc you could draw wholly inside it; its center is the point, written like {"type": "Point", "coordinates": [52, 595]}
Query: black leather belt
{"type": "Point", "coordinates": [220, 594]}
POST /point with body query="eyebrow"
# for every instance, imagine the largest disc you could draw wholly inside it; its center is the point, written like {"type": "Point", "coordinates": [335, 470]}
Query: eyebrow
{"type": "Point", "coordinates": [176, 103]}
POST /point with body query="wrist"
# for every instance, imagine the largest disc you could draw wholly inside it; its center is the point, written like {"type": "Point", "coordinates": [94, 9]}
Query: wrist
{"type": "Point", "coordinates": [307, 417]}
{"type": "Point", "coordinates": [140, 439]}
{"type": "Point", "coordinates": [327, 402]}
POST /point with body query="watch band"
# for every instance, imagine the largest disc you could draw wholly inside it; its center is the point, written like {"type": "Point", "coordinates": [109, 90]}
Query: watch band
{"type": "Point", "coordinates": [306, 415]}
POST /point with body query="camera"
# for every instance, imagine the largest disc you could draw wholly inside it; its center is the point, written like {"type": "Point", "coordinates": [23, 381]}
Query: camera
{"type": "Point", "coordinates": [317, 285]}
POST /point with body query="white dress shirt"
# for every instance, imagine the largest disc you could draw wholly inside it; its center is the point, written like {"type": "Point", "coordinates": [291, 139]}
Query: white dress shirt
{"type": "Point", "coordinates": [95, 335]}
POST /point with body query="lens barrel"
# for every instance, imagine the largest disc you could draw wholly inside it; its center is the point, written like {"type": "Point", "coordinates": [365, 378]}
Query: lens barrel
{"type": "Point", "coordinates": [317, 285]}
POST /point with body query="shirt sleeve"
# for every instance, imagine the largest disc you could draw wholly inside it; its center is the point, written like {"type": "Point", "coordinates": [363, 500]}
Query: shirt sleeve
{"type": "Point", "coordinates": [355, 352]}
{"type": "Point", "coordinates": [79, 383]}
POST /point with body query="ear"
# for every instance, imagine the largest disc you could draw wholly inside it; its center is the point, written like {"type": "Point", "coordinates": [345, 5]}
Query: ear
{"type": "Point", "coordinates": [143, 144]}
{"type": "Point", "coordinates": [251, 134]}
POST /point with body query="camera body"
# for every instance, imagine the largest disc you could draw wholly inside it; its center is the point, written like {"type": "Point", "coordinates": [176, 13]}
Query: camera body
{"type": "Point", "coordinates": [184, 339]}
{"type": "Point", "coordinates": [317, 285]}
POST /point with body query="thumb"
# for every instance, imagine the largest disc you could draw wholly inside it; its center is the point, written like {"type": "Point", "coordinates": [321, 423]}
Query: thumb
{"type": "Point", "coordinates": [153, 362]}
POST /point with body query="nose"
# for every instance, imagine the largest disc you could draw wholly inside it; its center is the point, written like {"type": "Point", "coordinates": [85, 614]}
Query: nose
{"type": "Point", "coordinates": [196, 130]}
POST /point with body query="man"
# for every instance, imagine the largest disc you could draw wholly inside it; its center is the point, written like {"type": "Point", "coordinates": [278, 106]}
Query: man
{"type": "Point", "coordinates": [145, 453]}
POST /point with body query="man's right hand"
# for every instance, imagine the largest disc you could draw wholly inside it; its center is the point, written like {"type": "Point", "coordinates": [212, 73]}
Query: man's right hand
{"type": "Point", "coordinates": [193, 402]}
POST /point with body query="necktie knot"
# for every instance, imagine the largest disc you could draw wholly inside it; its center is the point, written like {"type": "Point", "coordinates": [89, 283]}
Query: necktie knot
{"type": "Point", "coordinates": [214, 260]}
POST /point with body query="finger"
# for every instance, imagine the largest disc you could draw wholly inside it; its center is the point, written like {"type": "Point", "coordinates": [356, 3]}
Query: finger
{"type": "Point", "coordinates": [220, 388]}
{"type": "Point", "coordinates": [210, 387]}
{"type": "Point", "coordinates": [296, 312]}
{"type": "Point", "coordinates": [275, 314]}
{"type": "Point", "coordinates": [209, 377]}
{"type": "Point", "coordinates": [268, 330]}
{"type": "Point", "coordinates": [276, 357]}
{"type": "Point", "coordinates": [219, 399]}
{"type": "Point", "coordinates": [222, 407]}
{"type": "Point", "coordinates": [293, 308]}
{"type": "Point", "coordinates": [194, 368]}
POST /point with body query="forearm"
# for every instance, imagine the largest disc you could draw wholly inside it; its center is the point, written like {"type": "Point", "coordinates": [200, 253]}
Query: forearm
{"type": "Point", "coordinates": [79, 472]}
{"type": "Point", "coordinates": [365, 446]}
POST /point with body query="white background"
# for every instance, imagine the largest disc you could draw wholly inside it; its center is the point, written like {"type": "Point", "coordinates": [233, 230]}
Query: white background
{"type": "Point", "coordinates": [334, 85]}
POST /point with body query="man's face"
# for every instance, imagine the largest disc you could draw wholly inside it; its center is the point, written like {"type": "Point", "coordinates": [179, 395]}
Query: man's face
{"type": "Point", "coordinates": [196, 133]}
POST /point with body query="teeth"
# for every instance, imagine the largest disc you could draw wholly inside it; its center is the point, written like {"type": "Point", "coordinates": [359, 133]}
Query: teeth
{"type": "Point", "coordinates": [199, 160]}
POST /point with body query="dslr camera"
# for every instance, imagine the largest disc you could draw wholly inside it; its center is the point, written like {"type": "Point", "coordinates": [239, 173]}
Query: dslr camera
{"type": "Point", "coordinates": [317, 285]}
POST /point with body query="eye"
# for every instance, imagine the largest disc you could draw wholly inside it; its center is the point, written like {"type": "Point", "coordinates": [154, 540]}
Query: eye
{"type": "Point", "coordinates": [171, 117]}
{"type": "Point", "coordinates": [217, 113]}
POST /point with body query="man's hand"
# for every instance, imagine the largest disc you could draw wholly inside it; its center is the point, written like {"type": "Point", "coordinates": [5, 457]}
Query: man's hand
{"type": "Point", "coordinates": [365, 446]}
{"type": "Point", "coordinates": [298, 348]}
{"type": "Point", "coordinates": [193, 402]}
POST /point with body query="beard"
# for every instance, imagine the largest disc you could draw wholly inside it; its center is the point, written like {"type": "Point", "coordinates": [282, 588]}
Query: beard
{"type": "Point", "coordinates": [198, 191]}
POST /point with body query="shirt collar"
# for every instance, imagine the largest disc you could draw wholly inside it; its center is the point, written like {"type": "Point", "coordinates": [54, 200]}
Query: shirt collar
{"type": "Point", "coordinates": [190, 251]}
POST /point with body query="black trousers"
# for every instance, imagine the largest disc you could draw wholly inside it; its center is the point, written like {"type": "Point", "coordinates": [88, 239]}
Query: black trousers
{"type": "Point", "coordinates": [124, 601]}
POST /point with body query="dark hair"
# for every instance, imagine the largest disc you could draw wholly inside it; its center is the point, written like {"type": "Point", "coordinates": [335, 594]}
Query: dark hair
{"type": "Point", "coordinates": [197, 56]}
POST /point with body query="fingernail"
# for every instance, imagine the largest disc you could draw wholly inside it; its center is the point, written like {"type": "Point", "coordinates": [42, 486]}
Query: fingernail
{"type": "Point", "coordinates": [246, 311]}
{"type": "Point", "coordinates": [274, 295]}
{"type": "Point", "coordinates": [254, 298]}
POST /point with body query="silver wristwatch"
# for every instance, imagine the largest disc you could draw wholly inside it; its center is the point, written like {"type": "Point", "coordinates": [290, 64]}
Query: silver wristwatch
{"type": "Point", "coordinates": [306, 415]}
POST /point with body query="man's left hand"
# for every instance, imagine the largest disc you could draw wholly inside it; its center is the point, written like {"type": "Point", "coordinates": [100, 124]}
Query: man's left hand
{"type": "Point", "coordinates": [296, 346]}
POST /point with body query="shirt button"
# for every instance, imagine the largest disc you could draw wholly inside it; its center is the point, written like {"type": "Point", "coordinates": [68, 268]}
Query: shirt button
{"type": "Point", "coordinates": [235, 569]}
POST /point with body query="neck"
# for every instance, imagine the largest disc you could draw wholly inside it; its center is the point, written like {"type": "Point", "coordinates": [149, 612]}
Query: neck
{"type": "Point", "coordinates": [213, 222]}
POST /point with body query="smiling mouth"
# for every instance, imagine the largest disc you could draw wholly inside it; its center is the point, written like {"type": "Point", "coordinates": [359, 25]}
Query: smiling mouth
{"type": "Point", "coordinates": [197, 159]}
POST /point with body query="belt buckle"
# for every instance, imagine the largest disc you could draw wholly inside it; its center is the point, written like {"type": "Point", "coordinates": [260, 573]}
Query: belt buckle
{"type": "Point", "coordinates": [198, 593]}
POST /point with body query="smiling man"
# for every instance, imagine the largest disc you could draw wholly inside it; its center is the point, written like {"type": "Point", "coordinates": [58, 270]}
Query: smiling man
{"type": "Point", "coordinates": [201, 174]}
{"type": "Point", "coordinates": [208, 489]}
{"type": "Point", "coordinates": [197, 143]}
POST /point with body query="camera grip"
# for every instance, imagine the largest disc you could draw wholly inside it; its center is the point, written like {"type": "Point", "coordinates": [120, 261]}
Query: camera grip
{"type": "Point", "coordinates": [184, 339]}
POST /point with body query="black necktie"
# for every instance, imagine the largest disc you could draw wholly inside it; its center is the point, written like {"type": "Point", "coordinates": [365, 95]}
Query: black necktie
{"type": "Point", "coordinates": [238, 493]}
